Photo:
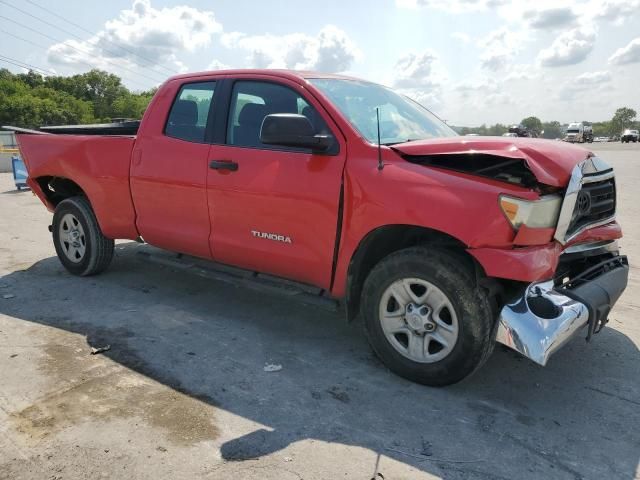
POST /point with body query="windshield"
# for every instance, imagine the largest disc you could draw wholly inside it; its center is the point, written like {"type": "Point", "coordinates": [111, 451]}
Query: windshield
{"type": "Point", "coordinates": [573, 131]}
{"type": "Point", "coordinates": [401, 119]}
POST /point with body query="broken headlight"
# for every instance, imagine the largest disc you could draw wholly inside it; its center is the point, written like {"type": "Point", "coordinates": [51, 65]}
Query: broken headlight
{"type": "Point", "coordinates": [541, 213]}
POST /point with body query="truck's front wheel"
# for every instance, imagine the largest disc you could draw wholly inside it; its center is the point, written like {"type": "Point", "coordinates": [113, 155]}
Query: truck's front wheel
{"type": "Point", "coordinates": [81, 247]}
{"type": "Point", "coordinates": [426, 318]}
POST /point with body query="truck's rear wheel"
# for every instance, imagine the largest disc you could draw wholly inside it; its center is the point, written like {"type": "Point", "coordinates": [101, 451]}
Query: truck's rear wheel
{"type": "Point", "coordinates": [81, 247]}
{"type": "Point", "coordinates": [425, 317]}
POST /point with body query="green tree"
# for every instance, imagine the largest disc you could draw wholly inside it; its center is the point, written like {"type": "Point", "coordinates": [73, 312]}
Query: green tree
{"type": "Point", "coordinates": [552, 129]}
{"type": "Point", "coordinates": [96, 86]}
{"type": "Point", "coordinates": [533, 124]}
{"type": "Point", "coordinates": [31, 100]}
{"type": "Point", "coordinates": [603, 129]}
{"type": "Point", "coordinates": [623, 118]}
{"type": "Point", "coordinates": [130, 105]}
{"type": "Point", "coordinates": [31, 78]}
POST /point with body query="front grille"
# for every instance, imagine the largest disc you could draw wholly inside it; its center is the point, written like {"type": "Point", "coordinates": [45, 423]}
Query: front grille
{"type": "Point", "coordinates": [595, 203]}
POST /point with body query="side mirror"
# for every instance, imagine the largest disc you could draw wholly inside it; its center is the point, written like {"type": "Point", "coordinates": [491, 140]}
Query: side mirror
{"type": "Point", "coordinates": [292, 130]}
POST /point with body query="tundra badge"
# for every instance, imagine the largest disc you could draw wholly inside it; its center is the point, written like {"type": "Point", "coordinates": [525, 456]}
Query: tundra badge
{"type": "Point", "coordinates": [271, 236]}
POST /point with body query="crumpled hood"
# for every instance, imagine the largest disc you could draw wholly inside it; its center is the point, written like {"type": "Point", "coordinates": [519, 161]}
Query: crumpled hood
{"type": "Point", "coordinates": [551, 161]}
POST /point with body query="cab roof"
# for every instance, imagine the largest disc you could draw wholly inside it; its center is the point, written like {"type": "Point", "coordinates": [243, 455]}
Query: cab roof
{"type": "Point", "coordinates": [295, 75]}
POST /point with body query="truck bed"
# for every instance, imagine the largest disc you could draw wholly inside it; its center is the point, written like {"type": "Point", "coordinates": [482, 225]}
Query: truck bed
{"type": "Point", "coordinates": [116, 128]}
{"type": "Point", "coordinates": [97, 164]}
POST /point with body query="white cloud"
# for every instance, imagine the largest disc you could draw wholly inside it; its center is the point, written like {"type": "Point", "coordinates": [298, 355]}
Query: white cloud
{"type": "Point", "coordinates": [500, 46]}
{"type": "Point", "coordinates": [588, 83]}
{"type": "Point", "coordinates": [593, 78]}
{"type": "Point", "coordinates": [480, 87]}
{"type": "Point", "coordinates": [461, 36]}
{"type": "Point", "coordinates": [480, 95]}
{"type": "Point", "coordinates": [540, 15]}
{"type": "Point", "coordinates": [627, 54]}
{"type": "Point", "coordinates": [453, 6]}
{"type": "Point", "coordinates": [415, 70]}
{"type": "Point", "coordinates": [148, 36]}
{"type": "Point", "coordinates": [615, 11]}
{"type": "Point", "coordinates": [550, 18]}
{"type": "Point", "coordinates": [582, 30]}
{"type": "Point", "coordinates": [420, 77]}
{"type": "Point", "coordinates": [217, 65]}
{"type": "Point", "coordinates": [521, 72]}
{"type": "Point", "coordinates": [331, 50]}
{"type": "Point", "coordinates": [569, 48]}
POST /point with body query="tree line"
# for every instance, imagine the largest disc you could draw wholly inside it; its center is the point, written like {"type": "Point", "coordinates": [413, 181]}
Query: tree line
{"type": "Point", "coordinates": [623, 118]}
{"type": "Point", "coordinates": [31, 100]}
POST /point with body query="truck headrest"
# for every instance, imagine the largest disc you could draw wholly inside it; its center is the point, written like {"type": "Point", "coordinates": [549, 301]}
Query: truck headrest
{"type": "Point", "coordinates": [185, 112]}
{"type": "Point", "coordinates": [252, 114]}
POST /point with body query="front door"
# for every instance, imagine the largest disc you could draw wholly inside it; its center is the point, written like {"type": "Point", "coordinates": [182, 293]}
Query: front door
{"type": "Point", "coordinates": [274, 209]}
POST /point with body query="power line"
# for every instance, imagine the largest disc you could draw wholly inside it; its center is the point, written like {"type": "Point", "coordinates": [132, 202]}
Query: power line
{"type": "Point", "coordinates": [65, 56]}
{"type": "Point", "coordinates": [20, 64]}
{"type": "Point", "coordinates": [109, 41]}
{"type": "Point", "coordinates": [76, 48]}
{"type": "Point", "coordinates": [64, 30]}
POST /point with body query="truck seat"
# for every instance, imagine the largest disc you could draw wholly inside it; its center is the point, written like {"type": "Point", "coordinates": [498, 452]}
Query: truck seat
{"type": "Point", "coordinates": [183, 121]}
{"type": "Point", "coordinates": [247, 133]}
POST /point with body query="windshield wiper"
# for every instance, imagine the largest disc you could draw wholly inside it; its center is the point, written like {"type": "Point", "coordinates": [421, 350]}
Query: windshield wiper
{"type": "Point", "coordinates": [389, 144]}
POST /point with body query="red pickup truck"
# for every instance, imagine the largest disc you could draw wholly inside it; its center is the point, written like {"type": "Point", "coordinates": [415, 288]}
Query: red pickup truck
{"type": "Point", "coordinates": [443, 244]}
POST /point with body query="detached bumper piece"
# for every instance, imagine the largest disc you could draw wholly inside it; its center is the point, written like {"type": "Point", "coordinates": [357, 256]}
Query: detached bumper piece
{"type": "Point", "coordinates": [548, 314]}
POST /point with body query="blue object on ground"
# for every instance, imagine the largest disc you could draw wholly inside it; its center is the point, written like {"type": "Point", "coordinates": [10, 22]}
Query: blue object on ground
{"type": "Point", "coordinates": [19, 172]}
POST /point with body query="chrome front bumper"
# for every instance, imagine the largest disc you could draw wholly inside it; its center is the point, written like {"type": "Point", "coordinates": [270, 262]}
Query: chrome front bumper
{"type": "Point", "coordinates": [544, 318]}
{"type": "Point", "coordinates": [533, 336]}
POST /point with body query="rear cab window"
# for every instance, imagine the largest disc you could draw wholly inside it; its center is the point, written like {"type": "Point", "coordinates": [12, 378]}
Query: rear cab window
{"type": "Point", "coordinates": [189, 113]}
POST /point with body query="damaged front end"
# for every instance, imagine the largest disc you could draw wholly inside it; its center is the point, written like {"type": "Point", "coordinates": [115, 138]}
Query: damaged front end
{"type": "Point", "coordinates": [563, 255]}
{"type": "Point", "coordinates": [495, 167]}
{"type": "Point", "coordinates": [548, 314]}
{"type": "Point", "coordinates": [588, 281]}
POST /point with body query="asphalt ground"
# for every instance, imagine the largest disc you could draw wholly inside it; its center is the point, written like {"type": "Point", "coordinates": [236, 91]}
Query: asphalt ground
{"type": "Point", "coordinates": [183, 393]}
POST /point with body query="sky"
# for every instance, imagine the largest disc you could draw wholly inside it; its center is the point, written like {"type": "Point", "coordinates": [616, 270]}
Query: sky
{"type": "Point", "coordinates": [469, 61]}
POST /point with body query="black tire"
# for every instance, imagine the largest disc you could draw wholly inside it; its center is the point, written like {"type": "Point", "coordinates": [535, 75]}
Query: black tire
{"type": "Point", "coordinates": [98, 249]}
{"type": "Point", "coordinates": [455, 277]}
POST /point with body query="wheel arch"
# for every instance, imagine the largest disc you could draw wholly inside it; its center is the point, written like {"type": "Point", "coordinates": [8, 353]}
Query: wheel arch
{"type": "Point", "coordinates": [56, 189]}
{"type": "Point", "coordinates": [387, 239]}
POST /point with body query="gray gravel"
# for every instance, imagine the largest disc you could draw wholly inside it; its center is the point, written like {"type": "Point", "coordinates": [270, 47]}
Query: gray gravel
{"type": "Point", "coordinates": [183, 392]}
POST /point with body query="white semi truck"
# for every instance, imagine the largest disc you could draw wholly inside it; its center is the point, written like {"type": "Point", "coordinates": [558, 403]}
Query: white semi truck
{"type": "Point", "coordinates": [578, 132]}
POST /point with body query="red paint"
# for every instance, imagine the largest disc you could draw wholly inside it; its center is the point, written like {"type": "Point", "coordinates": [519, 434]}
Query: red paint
{"type": "Point", "coordinates": [610, 231]}
{"type": "Point", "coordinates": [284, 193]}
{"type": "Point", "coordinates": [162, 188]}
{"type": "Point", "coordinates": [99, 165]}
{"type": "Point", "coordinates": [527, 264]}
{"type": "Point", "coordinates": [169, 184]}
{"type": "Point", "coordinates": [551, 161]}
{"type": "Point", "coordinates": [528, 236]}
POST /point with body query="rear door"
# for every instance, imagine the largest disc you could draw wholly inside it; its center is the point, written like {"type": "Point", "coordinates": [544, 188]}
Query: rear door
{"type": "Point", "coordinates": [275, 209]}
{"type": "Point", "coordinates": [169, 170]}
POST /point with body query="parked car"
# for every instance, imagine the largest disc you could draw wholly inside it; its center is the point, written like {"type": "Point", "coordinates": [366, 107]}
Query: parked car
{"type": "Point", "coordinates": [630, 136]}
{"type": "Point", "coordinates": [442, 244]}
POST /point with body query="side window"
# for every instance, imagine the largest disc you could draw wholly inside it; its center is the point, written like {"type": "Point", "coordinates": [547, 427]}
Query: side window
{"type": "Point", "coordinates": [188, 116]}
{"type": "Point", "coordinates": [252, 101]}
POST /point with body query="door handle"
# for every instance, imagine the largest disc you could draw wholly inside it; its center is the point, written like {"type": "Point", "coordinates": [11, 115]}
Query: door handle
{"type": "Point", "coordinates": [223, 165]}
